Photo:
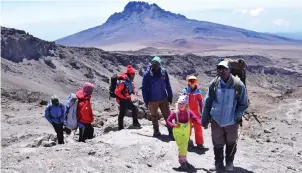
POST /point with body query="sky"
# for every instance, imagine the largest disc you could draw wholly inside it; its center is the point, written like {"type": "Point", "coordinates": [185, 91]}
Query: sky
{"type": "Point", "coordinates": [51, 20]}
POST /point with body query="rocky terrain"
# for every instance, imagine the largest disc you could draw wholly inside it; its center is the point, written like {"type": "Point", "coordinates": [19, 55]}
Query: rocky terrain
{"type": "Point", "coordinates": [32, 70]}
{"type": "Point", "coordinates": [141, 24]}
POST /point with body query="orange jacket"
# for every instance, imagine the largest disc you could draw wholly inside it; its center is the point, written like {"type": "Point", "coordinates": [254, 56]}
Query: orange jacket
{"type": "Point", "coordinates": [195, 100]}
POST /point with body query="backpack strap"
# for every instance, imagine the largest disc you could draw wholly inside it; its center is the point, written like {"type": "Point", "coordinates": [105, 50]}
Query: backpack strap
{"type": "Point", "coordinates": [237, 86]}
{"type": "Point", "coordinates": [213, 87]}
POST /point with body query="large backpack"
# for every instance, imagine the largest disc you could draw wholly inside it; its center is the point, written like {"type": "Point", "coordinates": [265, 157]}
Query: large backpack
{"type": "Point", "coordinates": [238, 68]}
{"type": "Point", "coordinates": [71, 112]}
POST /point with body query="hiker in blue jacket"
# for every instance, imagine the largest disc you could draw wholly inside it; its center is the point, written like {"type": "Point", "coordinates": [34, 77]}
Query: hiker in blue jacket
{"type": "Point", "coordinates": [157, 93]}
{"type": "Point", "coordinates": [225, 103]}
{"type": "Point", "coordinates": [54, 113]}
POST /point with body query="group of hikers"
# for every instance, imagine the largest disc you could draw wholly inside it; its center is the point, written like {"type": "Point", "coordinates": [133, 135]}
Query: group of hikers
{"type": "Point", "coordinates": [223, 108]}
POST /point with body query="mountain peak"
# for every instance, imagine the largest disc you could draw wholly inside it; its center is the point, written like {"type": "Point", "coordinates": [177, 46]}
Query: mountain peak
{"type": "Point", "coordinates": [140, 7]}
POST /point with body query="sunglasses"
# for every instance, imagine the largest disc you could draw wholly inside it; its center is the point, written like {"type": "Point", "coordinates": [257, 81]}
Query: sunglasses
{"type": "Point", "coordinates": [192, 81]}
{"type": "Point", "coordinates": [221, 69]}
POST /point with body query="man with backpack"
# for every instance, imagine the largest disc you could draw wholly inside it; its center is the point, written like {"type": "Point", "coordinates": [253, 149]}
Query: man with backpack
{"type": "Point", "coordinates": [84, 112]}
{"type": "Point", "coordinates": [54, 113]}
{"type": "Point", "coordinates": [157, 93]}
{"type": "Point", "coordinates": [125, 87]}
{"type": "Point", "coordinates": [225, 104]}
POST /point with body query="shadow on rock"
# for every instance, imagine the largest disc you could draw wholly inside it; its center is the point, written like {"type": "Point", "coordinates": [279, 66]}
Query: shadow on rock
{"type": "Point", "coordinates": [109, 129]}
{"type": "Point", "coordinates": [133, 127]}
{"type": "Point", "coordinates": [241, 170]}
{"type": "Point", "coordinates": [190, 169]}
{"type": "Point", "coordinates": [165, 138]}
{"type": "Point", "coordinates": [198, 150]}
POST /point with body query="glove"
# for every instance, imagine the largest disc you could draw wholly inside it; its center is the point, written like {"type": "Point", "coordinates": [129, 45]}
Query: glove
{"type": "Point", "coordinates": [147, 105]}
{"type": "Point", "coordinates": [239, 121]}
{"type": "Point", "coordinates": [170, 100]}
{"type": "Point", "coordinates": [128, 98]}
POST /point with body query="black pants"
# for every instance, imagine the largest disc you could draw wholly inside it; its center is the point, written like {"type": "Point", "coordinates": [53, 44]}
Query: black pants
{"type": "Point", "coordinates": [86, 132]}
{"type": "Point", "coordinates": [59, 130]}
{"type": "Point", "coordinates": [124, 105]}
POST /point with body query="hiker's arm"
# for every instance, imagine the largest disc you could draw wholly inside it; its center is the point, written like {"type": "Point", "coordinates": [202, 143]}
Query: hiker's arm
{"type": "Point", "coordinates": [207, 106]}
{"type": "Point", "coordinates": [62, 118]}
{"type": "Point", "coordinates": [118, 91]}
{"type": "Point", "coordinates": [194, 117]}
{"type": "Point", "coordinates": [200, 102]}
{"type": "Point", "coordinates": [169, 89]}
{"type": "Point", "coordinates": [145, 88]}
{"type": "Point", "coordinates": [47, 116]}
{"type": "Point", "coordinates": [170, 119]}
{"type": "Point", "coordinates": [242, 102]}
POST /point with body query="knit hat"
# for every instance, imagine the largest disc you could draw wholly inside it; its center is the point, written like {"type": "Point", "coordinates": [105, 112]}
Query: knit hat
{"type": "Point", "coordinates": [157, 59]}
{"type": "Point", "coordinates": [87, 89]}
{"type": "Point", "coordinates": [130, 69]}
{"type": "Point", "coordinates": [183, 99]}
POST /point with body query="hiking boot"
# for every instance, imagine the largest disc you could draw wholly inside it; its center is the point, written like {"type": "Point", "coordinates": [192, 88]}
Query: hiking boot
{"type": "Point", "coordinates": [200, 146]}
{"type": "Point", "coordinates": [184, 166]}
{"type": "Point", "coordinates": [156, 133]}
{"type": "Point", "coordinates": [190, 143]}
{"type": "Point", "coordinates": [137, 125]}
{"type": "Point", "coordinates": [229, 166]}
{"type": "Point", "coordinates": [217, 167]}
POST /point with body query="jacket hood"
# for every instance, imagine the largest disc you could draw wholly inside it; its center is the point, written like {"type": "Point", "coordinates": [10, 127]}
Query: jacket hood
{"type": "Point", "coordinates": [80, 95]}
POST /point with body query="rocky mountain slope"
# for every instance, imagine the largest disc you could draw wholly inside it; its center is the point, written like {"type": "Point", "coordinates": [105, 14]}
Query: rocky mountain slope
{"type": "Point", "coordinates": [33, 69]}
{"type": "Point", "coordinates": [148, 24]}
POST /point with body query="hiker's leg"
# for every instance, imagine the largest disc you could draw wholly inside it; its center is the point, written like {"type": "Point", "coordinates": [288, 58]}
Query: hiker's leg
{"type": "Point", "coordinates": [165, 110]}
{"type": "Point", "coordinates": [154, 117]}
{"type": "Point", "coordinates": [134, 111]}
{"type": "Point", "coordinates": [198, 132]}
{"type": "Point", "coordinates": [121, 115]}
{"type": "Point", "coordinates": [59, 131]}
{"type": "Point", "coordinates": [90, 131]}
{"type": "Point", "coordinates": [81, 133]}
{"type": "Point", "coordinates": [231, 146]}
{"type": "Point", "coordinates": [218, 139]}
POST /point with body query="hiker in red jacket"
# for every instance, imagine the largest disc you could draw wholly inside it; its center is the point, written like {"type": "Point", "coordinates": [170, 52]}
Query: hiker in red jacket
{"type": "Point", "coordinates": [123, 92]}
{"type": "Point", "coordinates": [84, 112]}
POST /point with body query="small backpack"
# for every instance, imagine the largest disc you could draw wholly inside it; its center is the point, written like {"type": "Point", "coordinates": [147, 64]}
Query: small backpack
{"type": "Point", "coordinates": [114, 82]}
{"type": "Point", "coordinates": [71, 112]}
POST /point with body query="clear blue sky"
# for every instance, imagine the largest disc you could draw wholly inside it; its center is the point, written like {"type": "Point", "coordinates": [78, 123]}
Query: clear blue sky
{"type": "Point", "coordinates": [51, 20]}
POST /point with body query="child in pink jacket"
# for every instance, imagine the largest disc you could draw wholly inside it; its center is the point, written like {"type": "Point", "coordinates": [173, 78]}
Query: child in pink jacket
{"type": "Point", "coordinates": [181, 127]}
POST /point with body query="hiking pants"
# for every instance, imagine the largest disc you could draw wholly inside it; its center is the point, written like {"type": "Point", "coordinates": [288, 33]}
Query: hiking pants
{"type": "Point", "coordinates": [86, 132]}
{"type": "Point", "coordinates": [59, 130]}
{"type": "Point", "coordinates": [182, 136]}
{"type": "Point", "coordinates": [224, 136]}
{"type": "Point", "coordinates": [124, 105]}
{"type": "Point", "coordinates": [163, 105]}
{"type": "Point", "coordinates": [197, 130]}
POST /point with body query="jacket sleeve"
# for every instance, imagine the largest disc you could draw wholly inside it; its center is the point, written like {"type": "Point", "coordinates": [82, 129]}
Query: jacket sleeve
{"type": "Point", "coordinates": [184, 91]}
{"type": "Point", "coordinates": [242, 102]}
{"type": "Point", "coordinates": [145, 88]}
{"type": "Point", "coordinates": [168, 87]}
{"type": "Point", "coordinates": [171, 117]}
{"type": "Point", "coordinates": [47, 116]}
{"type": "Point", "coordinates": [118, 92]}
{"type": "Point", "coordinates": [194, 117]}
{"type": "Point", "coordinates": [207, 105]}
{"type": "Point", "coordinates": [200, 102]}
{"type": "Point", "coordinates": [62, 118]}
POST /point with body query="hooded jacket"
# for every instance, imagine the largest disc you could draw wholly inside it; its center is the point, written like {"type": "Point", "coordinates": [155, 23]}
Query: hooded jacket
{"type": "Point", "coordinates": [124, 89]}
{"type": "Point", "coordinates": [226, 108]}
{"type": "Point", "coordinates": [55, 114]}
{"type": "Point", "coordinates": [195, 100]}
{"type": "Point", "coordinates": [84, 110]}
{"type": "Point", "coordinates": [156, 87]}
